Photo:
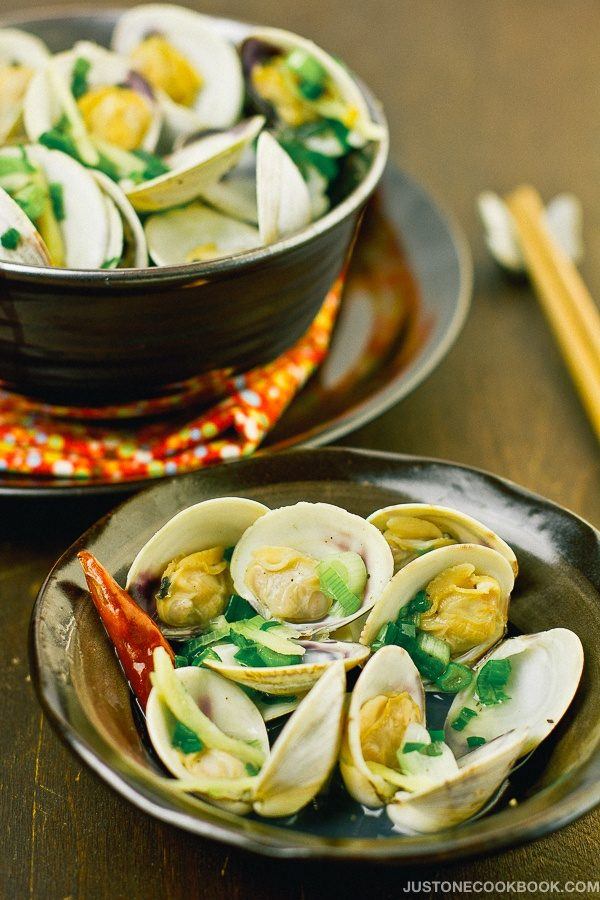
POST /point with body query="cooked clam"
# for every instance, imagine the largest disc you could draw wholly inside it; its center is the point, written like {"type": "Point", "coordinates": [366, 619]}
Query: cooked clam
{"type": "Point", "coordinates": [460, 596]}
{"type": "Point", "coordinates": [194, 167]}
{"type": "Point", "coordinates": [21, 55]}
{"type": "Point", "coordinates": [183, 571]}
{"type": "Point", "coordinates": [128, 248]}
{"type": "Point", "coordinates": [213, 739]}
{"type": "Point", "coordinates": [62, 200]}
{"type": "Point", "coordinates": [284, 203]}
{"type": "Point", "coordinates": [195, 72]}
{"type": "Point", "coordinates": [312, 565]}
{"type": "Point", "coordinates": [442, 802]}
{"type": "Point", "coordinates": [206, 731]}
{"type": "Point", "coordinates": [387, 698]}
{"type": "Point", "coordinates": [312, 659]}
{"type": "Point", "coordinates": [528, 681]}
{"type": "Point", "coordinates": [20, 242]}
{"type": "Point", "coordinates": [90, 99]}
{"type": "Point", "coordinates": [298, 82]}
{"type": "Point", "coordinates": [196, 233]}
{"type": "Point", "coordinates": [412, 529]}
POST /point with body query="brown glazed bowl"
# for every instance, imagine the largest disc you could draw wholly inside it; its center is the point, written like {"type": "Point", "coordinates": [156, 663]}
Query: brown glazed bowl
{"type": "Point", "coordinates": [94, 337]}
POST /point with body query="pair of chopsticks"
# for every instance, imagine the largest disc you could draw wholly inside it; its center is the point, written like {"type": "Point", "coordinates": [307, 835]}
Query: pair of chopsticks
{"type": "Point", "coordinates": [563, 296]}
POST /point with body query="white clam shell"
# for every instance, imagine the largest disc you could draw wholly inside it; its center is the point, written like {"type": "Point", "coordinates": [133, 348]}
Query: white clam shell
{"type": "Point", "coordinates": [306, 750]}
{"type": "Point", "coordinates": [85, 228]}
{"type": "Point", "coordinates": [416, 576]}
{"type": "Point", "coordinates": [195, 167]}
{"type": "Point", "coordinates": [458, 798]}
{"type": "Point", "coordinates": [24, 49]}
{"type": "Point", "coordinates": [390, 670]}
{"type": "Point", "coordinates": [463, 528]}
{"type": "Point", "coordinates": [220, 99]}
{"type": "Point", "coordinates": [42, 109]}
{"type": "Point", "coordinates": [318, 530]}
{"type": "Point", "coordinates": [224, 703]}
{"type": "Point", "coordinates": [563, 217]}
{"type": "Point", "coordinates": [545, 672]}
{"type": "Point", "coordinates": [31, 250]}
{"type": "Point", "coordinates": [219, 522]}
{"type": "Point", "coordinates": [364, 129]}
{"type": "Point", "coordinates": [284, 202]}
{"type": "Point", "coordinates": [133, 227]}
{"type": "Point", "coordinates": [172, 236]}
{"type": "Point", "coordinates": [286, 680]}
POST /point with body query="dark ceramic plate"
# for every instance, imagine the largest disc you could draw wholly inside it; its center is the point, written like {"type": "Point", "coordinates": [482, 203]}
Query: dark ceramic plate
{"type": "Point", "coordinates": [85, 695]}
{"type": "Point", "coordinates": [388, 338]}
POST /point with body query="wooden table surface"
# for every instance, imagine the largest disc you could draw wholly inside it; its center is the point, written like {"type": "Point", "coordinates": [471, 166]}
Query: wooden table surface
{"type": "Point", "coordinates": [478, 95]}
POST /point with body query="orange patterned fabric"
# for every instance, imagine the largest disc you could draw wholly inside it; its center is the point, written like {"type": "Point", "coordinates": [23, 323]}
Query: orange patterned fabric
{"type": "Point", "coordinates": [64, 442]}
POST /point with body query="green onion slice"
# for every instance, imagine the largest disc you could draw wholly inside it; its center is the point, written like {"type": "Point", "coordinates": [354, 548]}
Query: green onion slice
{"type": "Point", "coordinates": [185, 739]}
{"type": "Point", "coordinates": [463, 718]}
{"type": "Point", "coordinates": [492, 680]}
{"type": "Point", "coordinates": [455, 678]}
{"type": "Point", "coordinates": [475, 741]}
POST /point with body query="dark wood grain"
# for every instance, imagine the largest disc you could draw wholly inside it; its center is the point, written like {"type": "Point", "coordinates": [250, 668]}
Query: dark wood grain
{"type": "Point", "coordinates": [478, 95]}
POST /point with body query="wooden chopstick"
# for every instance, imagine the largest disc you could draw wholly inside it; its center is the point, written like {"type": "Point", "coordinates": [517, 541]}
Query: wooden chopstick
{"type": "Point", "coordinates": [563, 296]}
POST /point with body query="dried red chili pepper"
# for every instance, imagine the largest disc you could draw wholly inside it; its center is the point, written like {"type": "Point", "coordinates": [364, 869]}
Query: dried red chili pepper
{"type": "Point", "coordinates": [131, 630]}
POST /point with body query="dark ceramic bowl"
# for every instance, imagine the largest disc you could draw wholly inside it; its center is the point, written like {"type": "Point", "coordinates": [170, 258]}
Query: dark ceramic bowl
{"type": "Point", "coordinates": [94, 337]}
{"type": "Point", "coordinates": [87, 700]}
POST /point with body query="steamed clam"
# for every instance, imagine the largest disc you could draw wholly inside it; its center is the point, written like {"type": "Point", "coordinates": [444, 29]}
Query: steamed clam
{"type": "Point", "coordinates": [313, 566]}
{"type": "Point", "coordinates": [387, 699]}
{"type": "Point", "coordinates": [210, 735]}
{"type": "Point", "coordinates": [529, 680]}
{"type": "Point", "coordinates": [298, 83]}
{"type": "Point", "coordinates": [89, 98]}
{"type": "Point", "coordinates": [64, 203]}
{"type": "Point", "coordinates": [194, 167]}
{"type": "Point", "coordinates": [412, 529]}
{"type": "Point", "coordinates": [183, 568]}
{"type": "Point", "coordinates": [195, 72]}
{"type": "Point", "coordinates": [447, 607]}
{"type": "Point", "coordinates": [21, 55]}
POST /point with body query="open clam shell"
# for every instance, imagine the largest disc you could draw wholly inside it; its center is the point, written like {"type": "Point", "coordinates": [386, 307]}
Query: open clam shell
{"type": "Point", "coordinates": [545, 672]}
{"type": "Point", "coordinates": [461, 796]}
{"type": "Point", "coordinates": [419, 573]}
{"type": "Point", "coordinates": [45, 103]}
{"type": "Point", "coordinates": [194, 167]}
{"type": "Point", "coordinates": [289, 680]}
{"type": "Point", "coordinates": [306, 750]}
{"type": "Point", "coordinates": [342, 99]}
{"type": "Point", "coordinates": [284, 203]}
{"type": "Point", "coordinates": [29, 249]}
{"type": "Point", "coordinates": [84, 227]}
{"type": "Point", "coordinates": [225, 704]}
{"type": "Point", "coordinates": [21, 55]}
{"type": "Point", "coordinates": [318, 531]}
{"type": "Point", "coordinates": [213, 65]}
{"type": "Point", "coordinates": [440, 526]}
{"type": "Point", "coordinates": [235, 193]}
{"type": "Point", "coordinates": [134, 250]}
{"type": "Point", "coordinates": [196, 232]}
{"type": "Point", "coordinates": [219, 522]}
{"type": "Point", "coordinates": [389, 671]}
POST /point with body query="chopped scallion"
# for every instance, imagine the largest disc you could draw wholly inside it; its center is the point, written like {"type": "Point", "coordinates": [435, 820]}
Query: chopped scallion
{"type": "Point", "coordinates": [79, 77]}
{"type": "Point", "coordinates": [475, 741]}
{"type": "Point", "coordinates": [492, 680]}
{"type": "Point", "coordinates": [11, 239]}
{"type": "Point", "coordinates": [238, 609]}
{"type": "Point", "coordinates": [185, 739]}
{"type": "Point", "coordinates": [455, 678]}
{"type": "Point", "coordinates": [463, 718]}
{"type": "Point", "coordinates": [345, 602]}
{"type": "Point", "coordinates": [413, 746]}
{"type": "Point", "coordinates": [57, 199]}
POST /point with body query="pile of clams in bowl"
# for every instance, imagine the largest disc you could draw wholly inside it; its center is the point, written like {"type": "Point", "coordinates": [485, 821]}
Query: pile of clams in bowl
{"type": "Point", "coordinates": [175, 146]}
{"type": "Point", "coordinates": [235, 615]}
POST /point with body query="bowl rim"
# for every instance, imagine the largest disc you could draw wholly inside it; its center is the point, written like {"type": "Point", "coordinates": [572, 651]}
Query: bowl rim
{"type": "Point", "coordinates": [108, 278]}
{"type": "Point", "coordinates": [498, 832]}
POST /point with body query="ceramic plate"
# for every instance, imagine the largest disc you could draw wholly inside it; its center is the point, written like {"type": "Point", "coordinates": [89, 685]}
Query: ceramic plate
{"type": "Point", "coordinates": [86, 697]}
